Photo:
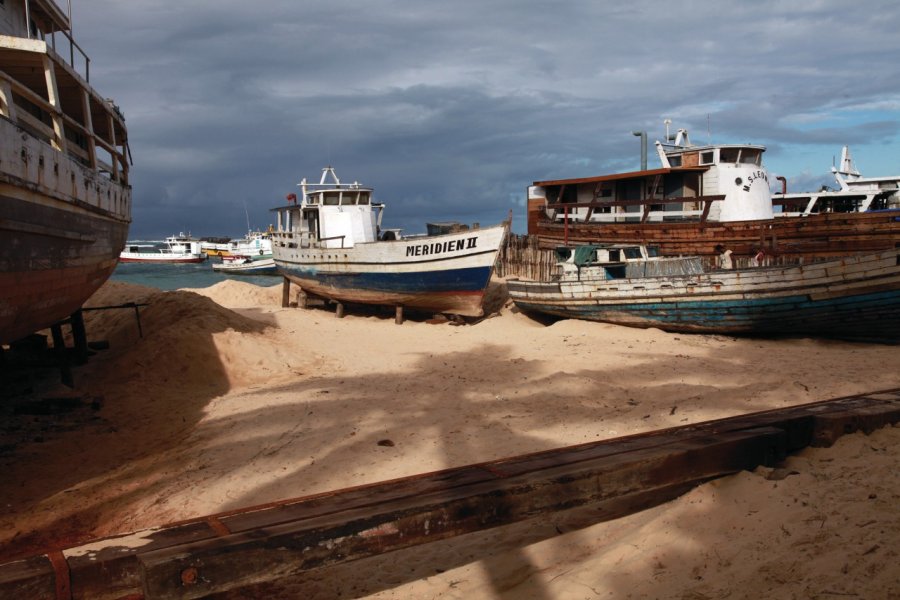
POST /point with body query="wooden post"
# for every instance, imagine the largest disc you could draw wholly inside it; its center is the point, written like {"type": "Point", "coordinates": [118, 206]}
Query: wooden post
{"type": "Point", "coordinates": [302, 299]}
{"type": "Point", "coordinates": [339, 310]}
{"type": "Point", "coordinates": [7, 105]}
{"type": "Point", "coordinates": [79, 337]}
{"type": "Point", "coordinates": [285, 293]}
{"type": "Point", "coordinates": [59, 134]}
{"type": "Point", "coordinates": [398, 315]}
{"type": "Point", "coordinates": [89, 125]}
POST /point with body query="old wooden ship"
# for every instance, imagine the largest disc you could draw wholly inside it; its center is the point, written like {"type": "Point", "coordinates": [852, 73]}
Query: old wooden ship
{"type": "Point", "coordinates": [330, 243]}
{"type": "Point", "coordinates": [705, 195]}
{"type": "Point", "coordinates": [65, 201]}
{"type": "Point", "coordinates": [855, 297]}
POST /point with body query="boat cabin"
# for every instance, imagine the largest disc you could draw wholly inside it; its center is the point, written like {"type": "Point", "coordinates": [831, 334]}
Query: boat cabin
{"type": "Point", "coordinates": [721, 182]}
{"type": "Point", "coordinates": [619, 261]}
{"type": "Point", "coordinates": [329, 214]}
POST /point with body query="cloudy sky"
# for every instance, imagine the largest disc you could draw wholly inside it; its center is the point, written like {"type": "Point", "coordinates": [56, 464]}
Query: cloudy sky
{"type": "Point", "coordinates": [450, 109]}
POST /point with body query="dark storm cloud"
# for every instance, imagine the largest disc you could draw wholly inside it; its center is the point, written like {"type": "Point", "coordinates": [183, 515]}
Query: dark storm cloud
{"type": "Point", "coordinates": [451, 109]}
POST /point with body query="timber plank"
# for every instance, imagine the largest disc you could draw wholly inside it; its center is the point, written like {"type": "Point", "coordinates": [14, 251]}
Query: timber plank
{"type": "Point", "coordinates": [249, 558]}
{"type": "Point", "coordinates": [253, 547]}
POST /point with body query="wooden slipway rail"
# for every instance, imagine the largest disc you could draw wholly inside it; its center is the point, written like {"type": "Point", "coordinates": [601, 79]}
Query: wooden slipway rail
{"type": "Point", "coordinates": [265, 545]}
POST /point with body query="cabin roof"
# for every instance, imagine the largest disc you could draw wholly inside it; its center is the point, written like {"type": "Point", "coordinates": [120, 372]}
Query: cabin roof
{"type": "Point", "coordinates": [617, 176]}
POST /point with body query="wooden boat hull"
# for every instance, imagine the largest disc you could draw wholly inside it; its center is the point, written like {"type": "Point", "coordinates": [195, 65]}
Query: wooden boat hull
{"type": "Point", "coordinates": [446, 273]}
{"type": "Point", "coordinates": [53, 257]}
{"type": "Point", "coordinates": [855, 297]}
{"type": "Point", "coordinates": [816, 236]}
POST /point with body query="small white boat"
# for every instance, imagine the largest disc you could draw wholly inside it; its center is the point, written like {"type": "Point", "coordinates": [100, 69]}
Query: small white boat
{"type": "Point", "coordinates": [178, 249]}
{"type": "Point", "coordinates": [330, 243]}
{"type": "Point", "coordinates": [246, 265]}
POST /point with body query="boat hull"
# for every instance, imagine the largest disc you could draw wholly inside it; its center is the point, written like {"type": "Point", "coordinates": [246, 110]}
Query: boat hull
{"type": "Point", "coordinates": [445, 273]}
{"type": "Point", "coordinates": [53, 257]}
{"type": "Point", "coordinates": [815, 236]}
{"type": "Point", "coordinates": [150, 258]}
{"type": "Point", "coordinates": [265, 266]}
{"type": "Point", "coordinates": [855, 297]}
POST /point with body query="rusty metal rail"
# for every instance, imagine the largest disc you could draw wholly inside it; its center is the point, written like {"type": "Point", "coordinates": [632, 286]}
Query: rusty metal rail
{"type": "Point", "coordinates": [264, 546]}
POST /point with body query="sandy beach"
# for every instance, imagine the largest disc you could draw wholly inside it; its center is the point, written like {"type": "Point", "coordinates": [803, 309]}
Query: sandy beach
{"type": "Point", "coordinates": [229, 400]}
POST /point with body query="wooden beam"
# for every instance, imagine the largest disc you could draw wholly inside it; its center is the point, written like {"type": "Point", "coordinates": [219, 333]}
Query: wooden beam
{"type": "Point", "coordinates": [264, 545]}
{"type": "Point", "coordinates": [59, 141]}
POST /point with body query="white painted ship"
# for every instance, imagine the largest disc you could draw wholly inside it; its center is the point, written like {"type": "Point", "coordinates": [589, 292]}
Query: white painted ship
{"type": "Point", "coordinates": [330, 243]}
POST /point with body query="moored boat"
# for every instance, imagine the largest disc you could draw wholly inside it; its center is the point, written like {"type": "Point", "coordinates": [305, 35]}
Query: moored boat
{"type": "Point", "coordinates": [65, 200]}
{"type": "Point", "coordinates": [176, 249]}
{"type": "Point", "coordinates": [331, 245]}
{"type": "Point", "coordinates": [703, 196]}
{"type": "Point", "coordinates": [851, 297]}
{"type": "Point", "coordinates": [246, 265]}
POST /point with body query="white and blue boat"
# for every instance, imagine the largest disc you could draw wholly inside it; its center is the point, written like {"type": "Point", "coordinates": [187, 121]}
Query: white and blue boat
{"type": "Point", "coordinates": [330, 243]}
{"type": "Point", "coordinates": [856, 297]}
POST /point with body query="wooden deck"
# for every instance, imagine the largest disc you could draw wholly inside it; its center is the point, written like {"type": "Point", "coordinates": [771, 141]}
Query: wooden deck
{"type": "Point", "coordinates": [264, 549]}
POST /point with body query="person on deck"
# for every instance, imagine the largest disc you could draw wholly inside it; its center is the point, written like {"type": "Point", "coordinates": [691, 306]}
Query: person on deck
{"type": "Point", "coordinates": [724, 259]}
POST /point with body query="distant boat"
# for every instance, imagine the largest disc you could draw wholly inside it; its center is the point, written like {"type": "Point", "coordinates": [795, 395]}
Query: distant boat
{"type": "Point", "coordinates": [245, 265]}
{"type": "Point", "coordinates": [331, 245]}
{"type": "Point", "coordinates": [855, 193]}
{"type": "Point", "coordinates": [177, 249]}
{"type": "Point", "coordinates": [215, 246]}
{"type": "Point", "coordinates": [65, 199]}
{"type": "Point", "coordinates": [853, 297]}
{"type": "Point", "coordinates": [709, 194]}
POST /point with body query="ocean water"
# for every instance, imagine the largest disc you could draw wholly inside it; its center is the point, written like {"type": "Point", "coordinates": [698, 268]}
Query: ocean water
{"type": "Point", "coordinates": [183, 275]}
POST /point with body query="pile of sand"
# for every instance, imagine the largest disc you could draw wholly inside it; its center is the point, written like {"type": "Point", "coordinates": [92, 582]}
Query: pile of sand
{"type": "Point", "coordinates": [229, 400]}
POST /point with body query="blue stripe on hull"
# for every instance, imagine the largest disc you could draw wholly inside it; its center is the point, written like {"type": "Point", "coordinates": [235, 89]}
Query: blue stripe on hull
{"type": "Point", "coordinates": [873, 315]}
{"type": "Point", "coordinates": [451, 281]}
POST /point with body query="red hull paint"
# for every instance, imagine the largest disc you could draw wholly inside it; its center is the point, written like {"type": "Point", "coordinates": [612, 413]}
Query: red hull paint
{"type": "Point", "coordinates": [51, 261]}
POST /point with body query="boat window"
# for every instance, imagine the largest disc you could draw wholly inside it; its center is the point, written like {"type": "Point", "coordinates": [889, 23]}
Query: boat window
{"type": "Point", "coordinates": [615, 256]}
{"type": "Point", "coordinates": [617, 272]}
{"type": "Point", "coordinates": [728, 155]}
{"type": "Point", "coordinates": [348, 199]}
{"type": "Point", "coordinates": [331, 198]}
{"type": "Point", "coordinates": [750, 156]}
{"type": "Point", "coordinates": [364, 199]}
{"type": "Point", "coordinates": [675, 161]}
{"type": "Point", "coordinates": [706, 158]}
{"type": "Point", "coordinates": [633, 252]}
{"type": "Point", "coordinates": [652, 251]}
{"type": "Point", "coordinates": [563, 253]}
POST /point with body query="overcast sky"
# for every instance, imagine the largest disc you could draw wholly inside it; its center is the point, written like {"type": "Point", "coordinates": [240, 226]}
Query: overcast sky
{"type": "Point", "coordinates": [451, 109]}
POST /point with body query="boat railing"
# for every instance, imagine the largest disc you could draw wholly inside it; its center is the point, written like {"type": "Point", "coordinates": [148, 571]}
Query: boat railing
{"type": "Point", "coordinates": [50, 135]}
{"type": "Point", "coordinates": [73, 46]}
{"type": "Point", "coordinates": [653, 210]}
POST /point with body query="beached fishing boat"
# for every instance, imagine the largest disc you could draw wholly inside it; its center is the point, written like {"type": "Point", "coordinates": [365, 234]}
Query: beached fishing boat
{"type": "Point", "coordinates": [246, 265]}
{"type": "Point", "coordinates": [852, 297]}
{"type": "Point", "coordinates": [330, 243]}
{"type": "Point", "coordinates": [176, 249]}
{"type": "Point", "coordinates": [705, 195]}
{"type": "Point", "coordinates": [65, 201]}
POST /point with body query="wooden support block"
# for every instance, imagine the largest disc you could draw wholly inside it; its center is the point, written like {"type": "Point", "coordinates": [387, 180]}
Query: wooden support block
{"type": "Point", "coordinates": [398, 315]}
{"type": "Point", "coordinates": [285, 292]}
{"type": "Point", "coordinates": [829, 427]}
{"type": "Point", "coordinates": [339, 310]}
{"type": "Point", "coordinates": [30, 578]}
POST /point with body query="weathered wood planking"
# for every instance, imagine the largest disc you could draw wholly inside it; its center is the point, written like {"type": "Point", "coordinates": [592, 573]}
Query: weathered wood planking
{"type": "Point", "coordinates": [258, 547]}
{"type": "Point", "coordinates": [816, 236]}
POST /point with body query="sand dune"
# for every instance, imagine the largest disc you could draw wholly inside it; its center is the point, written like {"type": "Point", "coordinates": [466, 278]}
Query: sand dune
{"type": "Point", "coordinates": [229, 400]}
